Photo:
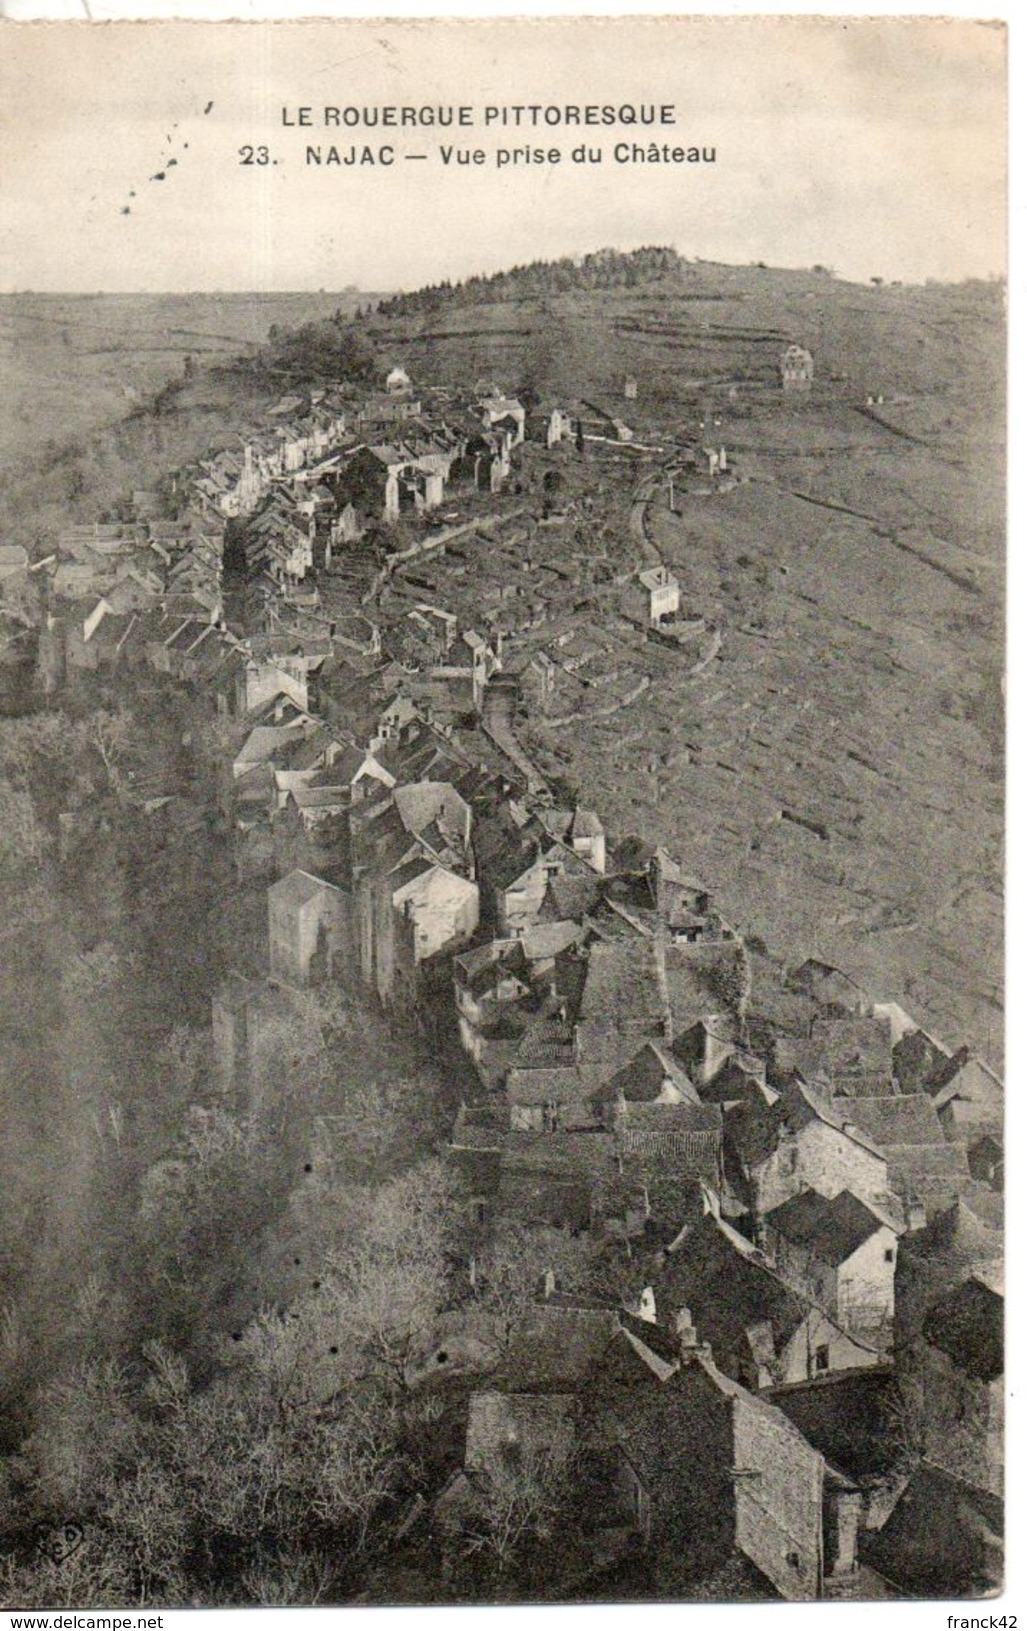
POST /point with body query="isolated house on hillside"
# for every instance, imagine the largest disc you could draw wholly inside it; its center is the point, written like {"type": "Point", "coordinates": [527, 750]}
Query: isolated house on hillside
{"type": "Point", "coordinates": [795, 367]}
{"type": "Point", "coordinates": [664, 594]}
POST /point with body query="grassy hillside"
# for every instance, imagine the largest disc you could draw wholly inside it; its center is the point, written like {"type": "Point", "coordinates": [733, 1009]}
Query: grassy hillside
{"type": "Point", "coordinates": [859, 680]}
{"type": "Point", "coordinates": [72, 365]}
{"type": "Point", "coordinates": [859, 683]}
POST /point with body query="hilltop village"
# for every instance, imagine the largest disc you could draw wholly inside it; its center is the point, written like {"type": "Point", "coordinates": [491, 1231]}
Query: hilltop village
{"type": "Point", "coordinates": [790, 1381]}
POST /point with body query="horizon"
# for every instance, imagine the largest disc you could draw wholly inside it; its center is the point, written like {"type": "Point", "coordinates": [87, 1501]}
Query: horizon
{"type": "Point", "coordinates": [997, 279]}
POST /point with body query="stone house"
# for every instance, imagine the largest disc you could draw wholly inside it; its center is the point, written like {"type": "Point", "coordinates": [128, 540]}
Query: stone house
{"type": "Point", "coordinates": [308, 930]}
{"type": "Point", "coordinates": [705, 1048]}
{"type": "Point", "coordinates": [370, 481]}
{"type": "Point", "coordinates": [907, 1129]}
{"type": "Point", "coordinates": [263, 741]}
{"type": "Point", "coordinates": [520, 896]}
{"type": "Point", "coordinates": [664, 593]}
{"type": "Point", "coordinates": [967, 1095]}
{"type": "Point", "coordinates": [469, 661]}
{"type": "Point", "coordinates": [800, 1142]}
{"type": "Point", "coordinates": [700, 1441]}
{"type": "Point", "coordinates": [434, 812]}
{"type": "Point", "coordinates": [409, 913]}
{"type": "Point", "coordinates": [943, 1538]}
{"type": "Point", "coordinates": [311, 831]}
{"type": "Point", "coordinates": [580, 830]}
{"type": "Point", "coordinates": [839, 1254]}
{"type": "Point", "coordinates": [362, 772]}
{"type": "Point", "coordinates": [741, 1079]}
{"type": "Point", "coordinates": [662, 1147]}
{"type": "Point", "coordinates": [763, 1330]}
{"type": "Point", "coordinates": [558, 426]}
{"type": "Point", "coordinates": [852, 1053]}
{"type": "Point", "coordinates": [833, 991]}
{"type": "Point", "coordinates": [917, 1060]}
{"type": "Point", "coordinates": [948, 1336]}
{"type": "Point", "coordinates": [546, 1090]}
{"type": "Point", "coordinates": [538, 682]}
{"type": "Point", "coordinates": [498, 410]}
{"type": "Point", "coordinates": [986, 1159]}
{"type": "Point", "coordinates": [494, 1004]}
{"type": "Point", "coordinates": [248, 683]}
{"type": "Point", "coordinates": [960, 1382]}
{"type": "Point", "coordinates": [795, 367]}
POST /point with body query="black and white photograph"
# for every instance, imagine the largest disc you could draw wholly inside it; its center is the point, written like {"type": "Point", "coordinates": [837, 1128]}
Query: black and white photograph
{"type": "Point", "coordinates": [502, 813]}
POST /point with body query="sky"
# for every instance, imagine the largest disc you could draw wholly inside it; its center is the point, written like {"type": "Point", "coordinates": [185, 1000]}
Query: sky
{"type": "Point", "coordinates": [875, 146]}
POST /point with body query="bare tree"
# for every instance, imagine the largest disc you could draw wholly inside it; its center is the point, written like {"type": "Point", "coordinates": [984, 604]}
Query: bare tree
{"type": "Point", "coordinates": [110, 734]}
{"type": "Point", "coordinates": [518, 1498]}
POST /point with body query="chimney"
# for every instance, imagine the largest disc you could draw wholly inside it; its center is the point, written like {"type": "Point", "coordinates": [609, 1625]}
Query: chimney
{"type": "Point", "coordinates": [646, 1309]}
{"type": "Point", "coordinates": [916, 1212]}
{"type": "Point", "coordinates": [688, 1339]}
{"type": "Point", "coordinates": [548, 1284]}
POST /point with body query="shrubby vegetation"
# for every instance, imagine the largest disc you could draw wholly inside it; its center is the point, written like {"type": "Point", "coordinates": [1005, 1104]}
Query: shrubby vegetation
{"type": "Point", "coordinates": [213, 1306]}
{"type": "Point", "coordinates": [332, 349]}
{"type": "Point", "coordinates": [604, 269]}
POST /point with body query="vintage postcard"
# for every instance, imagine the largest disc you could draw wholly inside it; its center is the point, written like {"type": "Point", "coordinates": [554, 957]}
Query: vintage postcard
{"type": "Point", "coordinates": [502, 561]}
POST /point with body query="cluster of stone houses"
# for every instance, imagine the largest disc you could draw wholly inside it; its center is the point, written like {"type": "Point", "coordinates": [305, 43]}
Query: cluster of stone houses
{"type": "Point", "coordinates": [145, 590]}
{"type": "Point", "coordinates": [770, 1204]}
{"type": "Point", "coordinates": [347, 463]}
{"type": "Point", "coordinates": [812, 1234]}
{"type": "Point", "coordinates": [800, 1187]}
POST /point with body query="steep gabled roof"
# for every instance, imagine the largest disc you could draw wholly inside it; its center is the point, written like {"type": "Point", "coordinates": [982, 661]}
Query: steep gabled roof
{"type": "Point", "coordinates": [557, 1346]}
{"type": "Point", "coordinates": [942, 1539]}
{"type": "Point", "coordinates": [967, 1323]}
{"type": "Point", "coordinates": [908, 1118]}
{"type": "Point", "coordinates": [651, 1073]}
{"type": "Point", "coordinates": [831, 1230]}
{"type": "Point", "coordinates": [297, 888]}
